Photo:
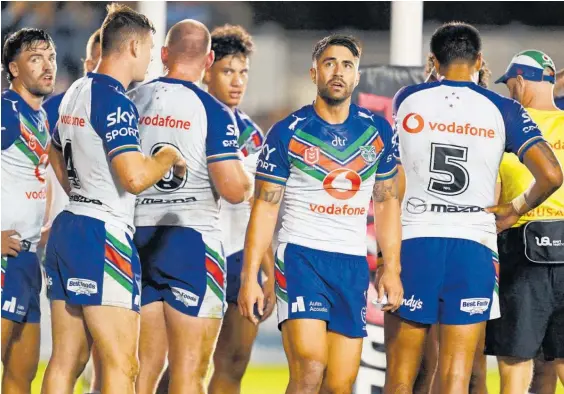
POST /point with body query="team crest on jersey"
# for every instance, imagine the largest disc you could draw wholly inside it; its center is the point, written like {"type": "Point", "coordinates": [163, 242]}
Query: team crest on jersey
{"type": "Point", "coordinates": [368, 153]}
{"type": "Point", "coordinates": [311, 155]}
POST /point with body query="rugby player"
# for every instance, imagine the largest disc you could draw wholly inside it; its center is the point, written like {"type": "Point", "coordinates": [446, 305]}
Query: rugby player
{"type": "Point", "coordinates": [531, 288]}
{"type": "Point", "coordinates": [56, 196]}
{"type": "Point", "coordinates": [425, 382]}
{"type": "Point", "coordinates": [452, 134]}
{"type": "Point", "coordinates": [178, 236]}
{"type": "Point", "coordinates": [325, 159]}
{"type": "Point", "coordinates": [227, 81]}
{"type": "Point", "coordinates": [92, 266]}
{"type": "Point", "coordinates": [29, 60]}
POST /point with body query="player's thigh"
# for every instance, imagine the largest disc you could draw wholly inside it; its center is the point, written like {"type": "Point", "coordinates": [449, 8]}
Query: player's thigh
{"type": "Point", "coordinates": [306, 346]}
{"type": "Point", "coordinates": [7, 330]}
{"type": "Point", "coordinates": [457, 347]}
{"type": "Point", "coordinates": [423, 269]}
{"type": "Point", "coordinates": [525, 291]}
{"type": "Point", "coordinates": [71, 339]}
{"type": "Point", "coordinates": [153, 342]}
{"type": "Point", "coordinates": [479, 368]}
{"type": "Point", "coordinates": [405, 343]}
{"type": "Point", "coordinates": [115, 332]}
{"type": "Point", "coordinates": [190, 354]}
{"type": "Point", "coordinates": [236, 339]}
{"type": "Point", "coordinates": [97, 265]}
{"type": "Point", "coordinates": [22, 355]}
{"type": "Point", "coordinates": [343, 361]}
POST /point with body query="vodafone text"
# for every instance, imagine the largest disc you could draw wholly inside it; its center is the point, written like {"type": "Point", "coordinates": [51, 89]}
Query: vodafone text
{"type": "Point", "coordinates": [333, 209]}
{"type": "Point", "coordinates": [164, 121]}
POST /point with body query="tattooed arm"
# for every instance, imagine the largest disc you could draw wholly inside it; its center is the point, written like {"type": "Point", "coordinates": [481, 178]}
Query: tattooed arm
{"type": "Point", "coordinates": [387, 218]}
{"type": "Point", "coordinates": [257, 243]}
{"type": "Point", "coordinates": [546, 169]}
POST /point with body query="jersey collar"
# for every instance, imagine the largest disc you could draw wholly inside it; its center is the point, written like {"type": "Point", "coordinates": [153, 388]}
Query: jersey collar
{"type": "Point", "coordinates": [106, 79]}
{"type": "Point", "coordinates": [188, 84]}
{"type": "Point", "coordinates": [449, 82]}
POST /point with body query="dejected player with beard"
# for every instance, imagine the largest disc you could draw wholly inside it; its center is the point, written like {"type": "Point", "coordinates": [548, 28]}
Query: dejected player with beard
{"type": "Point", "coordinates": [327, 157]}
{"type": "Point", "coordinates": [28, 57]}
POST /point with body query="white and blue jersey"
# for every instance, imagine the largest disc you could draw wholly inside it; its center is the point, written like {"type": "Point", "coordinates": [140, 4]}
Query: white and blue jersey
{"type": "Point", "coordinates": [451, 156]}
{"type": "Point", "coordinates": [178, 215]}
{"type": "Point", "coordinates": [329, 173]}
{"type": "Point", "coordinates": [234, 218]}
{"type": "Point", "coordinates": [452, 136]}
{"type": "Point", "coordinates": [97, 122]}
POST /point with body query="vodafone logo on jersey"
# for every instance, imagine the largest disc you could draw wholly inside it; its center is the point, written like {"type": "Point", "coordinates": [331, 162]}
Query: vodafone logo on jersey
{"type": "Point", "coordinates": [413, 123]}
{"type": "Point", "coordinates": [165, 121]}
{"type": "Point", "coordinates": [342, 183]}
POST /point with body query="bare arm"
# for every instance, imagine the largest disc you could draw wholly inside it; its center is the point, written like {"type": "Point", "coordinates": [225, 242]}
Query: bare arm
{"type": "Point", "coordinates": [387, 216]}
{"type": "Point", "coordinates": [137, 172]}
{"type": "Point", "coordinates": [231, 180]}
{"type": "Point", "coordinates": [401, 183]}
{"type": "Point", "coordinates": [57, 161]}
{"type": "Point", "coordinates": [546, 170]}
{"type": "Point", "coordinates": [261, 228]}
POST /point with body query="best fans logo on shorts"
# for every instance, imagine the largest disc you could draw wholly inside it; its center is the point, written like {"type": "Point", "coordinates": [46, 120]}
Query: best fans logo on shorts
{"type": "Point", "coordinates": [474, 305]}
{"type": "Point", "coordinates": [82, 286]}
{"type": "Point", "coordinates": [186, 297]}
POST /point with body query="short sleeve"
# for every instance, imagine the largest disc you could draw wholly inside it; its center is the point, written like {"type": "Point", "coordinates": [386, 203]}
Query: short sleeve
{"type": "Point", "coordinates": [273, 164]}
{"type": "Point", "coordinates": [222, 133]}
{"type": "Point", "coordinates": [521, 132]}
{"type": "Point", "coordinates": [115, 119]}
{"type": "Point", "coordinates": [387, 166]}
{"type": "Point", "coordinates": [51, 107]}
{"type": "Point", "coordinates": [56, 138]}
{"type": "Point", "coordinates": [10, 123]}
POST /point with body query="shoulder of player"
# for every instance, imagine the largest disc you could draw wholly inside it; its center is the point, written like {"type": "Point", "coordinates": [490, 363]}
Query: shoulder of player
{"type": "Point", "coordinates": [10, 105]}
{"type": "Point", "coordinates": [500, 101]}
{"type": "Point", "coordinates": [409, 90]}
{"type": "Point", "coordinates": [245, 119]}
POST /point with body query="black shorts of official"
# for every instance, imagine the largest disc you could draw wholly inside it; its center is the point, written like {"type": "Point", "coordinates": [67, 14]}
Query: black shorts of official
{"type": "Point", "coordinates": [531, 299]}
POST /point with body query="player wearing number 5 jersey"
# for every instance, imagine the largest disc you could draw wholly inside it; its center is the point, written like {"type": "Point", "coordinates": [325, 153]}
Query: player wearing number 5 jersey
{"type": "Point", "coordinates": [327, 159]}
{"type": "Point", "coordinates": [92, 265]}
{"type": "Point", "coordinates": [452, 135]}
{"type": "Point", "coordinates": [178, 231]}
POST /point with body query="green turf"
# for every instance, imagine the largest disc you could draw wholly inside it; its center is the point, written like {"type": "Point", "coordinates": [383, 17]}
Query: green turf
{"type": "Point", "coordinates": [271, 379]}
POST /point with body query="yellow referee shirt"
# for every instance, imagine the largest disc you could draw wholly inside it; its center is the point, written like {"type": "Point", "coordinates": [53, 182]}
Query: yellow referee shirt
{"type": "Point", "coordinates": [516, 178]}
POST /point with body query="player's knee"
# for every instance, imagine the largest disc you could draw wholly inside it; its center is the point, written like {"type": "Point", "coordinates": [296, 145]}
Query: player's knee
{"type": "Point", "coordinates": [234, 363]}
{"type": "Point", "coordinates": [20, 377]}
{"type": "Point", "coordinates": [126, 364]}
{"type": "Point", "coordinates": [308, 374]}
{"type": "Point", "coordinates": [339, 385]}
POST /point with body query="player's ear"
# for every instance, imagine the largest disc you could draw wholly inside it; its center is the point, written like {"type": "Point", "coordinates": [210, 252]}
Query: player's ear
{"type": "Point", "coordinates": [14, 70]}
{"type": "Point", "coordinates": [313, 75]}
{"type": "Point", "coordinates": [479, 62]}
{"type": "Point", "coordinates": [357, 78]}
{"type": "Point", "coordinates": [164, 55]}
{"type": "Point", "coordinates": [207, 76]}
{"type": "Point", "coordinates": [210, 58]}
{"type": "Point", "coordinates": [135, 47]}
{"type": "Point", "coordinates": [436, 65]}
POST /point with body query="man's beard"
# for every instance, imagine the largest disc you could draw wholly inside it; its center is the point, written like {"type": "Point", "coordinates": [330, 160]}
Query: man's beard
{"type": "Point", "coordinates": [39, 91]}
{"type": "Point", "coordinates": [323, 92]}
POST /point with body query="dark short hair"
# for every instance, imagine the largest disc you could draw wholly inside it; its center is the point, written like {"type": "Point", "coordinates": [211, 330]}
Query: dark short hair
{"type": "Point", "coordinates": [231, 40]}
{"type": "Point", "coordinates": [456, 42]}
{"type": "Point", "coordinates": [349, 42]}
{"type": "Point", "coordinates": [20, 41]}
{"type": "Point", "coordinates": [120, 22]}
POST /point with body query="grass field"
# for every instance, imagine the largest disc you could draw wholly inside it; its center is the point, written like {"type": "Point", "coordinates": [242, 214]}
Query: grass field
{"type": "Point", "coordinates": [264, 379]}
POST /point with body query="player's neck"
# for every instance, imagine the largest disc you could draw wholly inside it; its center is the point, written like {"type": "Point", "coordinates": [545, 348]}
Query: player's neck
{"type": "Point", "coordinates": [184, 73]}
{"type": "Point", "coordinates": [116, 70]}
{"type": "Point", "coordinates": [332, 114]}
{"type": "Point", "coordinates": [32, 100]}
{"type": "Point", "coordinates": [459, 73]}
{"type": "Point", "coordinates": [541, 103]}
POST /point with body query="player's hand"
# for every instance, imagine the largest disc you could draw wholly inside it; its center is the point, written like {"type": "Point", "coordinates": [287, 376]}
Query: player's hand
{"type": "Point", "coordinates": [10, 243]}
{"type": "Point", "coordinates": [249, 295]}
{"type": "Point", "coordinates": [505, 216]}
{"type": "Point", "coordinates": [179, 168]}
{"type": "Point", "coordinates": [269, 298]}
{"type": "Point", "coordinates": [388, 282]}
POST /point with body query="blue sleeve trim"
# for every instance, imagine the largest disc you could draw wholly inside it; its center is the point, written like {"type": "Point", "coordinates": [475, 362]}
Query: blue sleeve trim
{"type": "Point", "coordinates": [527, 145]}
{"type": "Point", "coordinates": [270, 179]}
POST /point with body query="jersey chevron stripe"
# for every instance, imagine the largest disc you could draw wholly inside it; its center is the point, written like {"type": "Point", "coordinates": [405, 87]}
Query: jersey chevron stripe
{"type": "Point", "coordinates": [26, 151]}
{"type": "Point", "coordinates": [42, 137]}
{"type": "Point", "coordinates": [366, 136]}
{"type": "Point", "coordinates": [217, 258]}
{"type": "Point", "coordinates": [117, 276]}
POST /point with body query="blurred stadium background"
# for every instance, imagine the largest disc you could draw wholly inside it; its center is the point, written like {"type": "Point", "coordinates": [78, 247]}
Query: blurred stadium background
{"type": "Point", "coordinates": [284, 33]}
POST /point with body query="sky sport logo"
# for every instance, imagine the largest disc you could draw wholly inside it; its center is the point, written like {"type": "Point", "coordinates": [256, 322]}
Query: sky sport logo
{"type": "Point", "coordinates": [414, 123]}
{"type": "Point", "coordinates": [82, 286]}
{"type": "Point", "coordinates": [474, 305]}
